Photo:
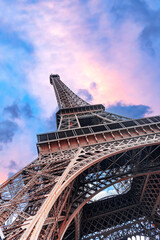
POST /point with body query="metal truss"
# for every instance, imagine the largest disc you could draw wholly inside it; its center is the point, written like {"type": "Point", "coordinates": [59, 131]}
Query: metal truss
{"type": "Point", "coordinates": [77, 120]}
{"type": "Point", "coordinates": [54, 197]}
{"type": "Point", "coordinates": [65, 97]}
{"type": "Point", "coordinates": [52, 177]}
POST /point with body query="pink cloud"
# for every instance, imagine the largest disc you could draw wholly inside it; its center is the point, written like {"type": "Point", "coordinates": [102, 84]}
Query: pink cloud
{"type": "Point", "coordinates": [3, 177]}
{"type": "Point", "coordinates": [58, 32]}
{"type": "Point", "coordinates": [20, 151]}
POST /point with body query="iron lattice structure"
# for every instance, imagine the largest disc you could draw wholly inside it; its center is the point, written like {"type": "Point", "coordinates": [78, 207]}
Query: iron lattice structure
{"type": "Point", "coordinates": [54, 197]}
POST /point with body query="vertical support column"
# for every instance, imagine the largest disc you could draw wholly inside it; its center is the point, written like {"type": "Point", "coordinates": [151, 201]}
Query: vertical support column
{"type": "Point", "coordinates": [78, 225]}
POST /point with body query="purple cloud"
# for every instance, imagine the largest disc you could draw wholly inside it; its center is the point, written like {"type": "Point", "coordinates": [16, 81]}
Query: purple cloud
{"type": "Point", "coordinates": [27, 110]}
{"type": "Point", "coordinates": [7, 131]}
{"type": "Point", "coordinates": [85, 94]}
{"type": "Point", "coordinates": [131, 111]}
{"type": "Point", "coordinates": [13, 111]}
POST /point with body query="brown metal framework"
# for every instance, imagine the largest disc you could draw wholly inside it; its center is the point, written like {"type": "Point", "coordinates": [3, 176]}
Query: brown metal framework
{"type": "Point", "coordinates": [92, 150]}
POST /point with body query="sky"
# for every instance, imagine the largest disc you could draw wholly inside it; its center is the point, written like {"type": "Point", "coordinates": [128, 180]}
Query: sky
{"type": "Point", "coordinates": [107, 52]}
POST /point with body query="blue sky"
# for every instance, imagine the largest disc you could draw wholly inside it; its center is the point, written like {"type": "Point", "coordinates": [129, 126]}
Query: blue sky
{"type": "Point", "coordinates": [106, 51]}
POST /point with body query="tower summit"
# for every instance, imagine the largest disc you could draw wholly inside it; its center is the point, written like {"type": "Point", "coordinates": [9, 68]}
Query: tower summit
{"type": "Point", "coordinates": [65, 97]}
{"type": "Point", "coordinates": [53, 198]}
{"type": "Point", "coordinates": [75, 112]}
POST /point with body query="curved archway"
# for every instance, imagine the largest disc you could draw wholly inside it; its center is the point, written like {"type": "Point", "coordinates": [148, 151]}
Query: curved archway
{"type": "Point", "coordinates": [91, 165]}
{"type": "Point", "coordinates": [74, 166]}
{"type": "Point", "coordinates": [143, 171]}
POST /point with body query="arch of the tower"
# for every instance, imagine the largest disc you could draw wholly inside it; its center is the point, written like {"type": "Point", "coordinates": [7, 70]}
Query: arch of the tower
{"type": "Point", "coordinates": [131, 180]}
{"type": "Point", "coordinates": [57, 192]}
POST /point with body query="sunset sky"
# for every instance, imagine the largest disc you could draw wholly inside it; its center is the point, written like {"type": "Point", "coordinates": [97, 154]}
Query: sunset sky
{"type": "Point", "coordinates": [107, 51]}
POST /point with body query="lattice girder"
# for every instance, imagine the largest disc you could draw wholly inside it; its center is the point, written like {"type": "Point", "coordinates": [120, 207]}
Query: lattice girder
{"type": "Point", "coordinates": [65, 97]}
{"type": "Point", "coordinates": [47, 199]}
{"type": "Point", "coordinates": [88, 157]}
{"type": "Point", "coordinates": [69, 102]}
{"type": "Point", "coordinates": [105, 180]}
{"type": "Point", "coordinates": [112, 215]}
{"type": "Point", "coordinates": [86, 116]}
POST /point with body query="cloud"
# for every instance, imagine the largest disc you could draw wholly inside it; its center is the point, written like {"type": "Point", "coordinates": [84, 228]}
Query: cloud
{"type": "Point", "coordinates": [142, 12]}
{"type": "Point", "coordinates": [100, 48]}
{"type": "Point", "coordinates": [150, 37]}
{"type": "Point", "coordinates": [124, 10]}
{"type": "Point", "coordinates": [51, 124]}
{"type": "Point", "coordinates": [12, 158]}
{"type": "Point", "coordinates": [131, 111]}
{"type": "Point", "coordinates": [27, 110]}
{"type": "Point", "coordinates": [13, 111]}
{"type": "Point", "coordinates": [12, 165]}
{"type": "Point", "coordinates": [84, 93]}
{"type": "Point", "coordinates": [17, 110]}
{"type": "Point", "coordinates": [93, 85]}
{"type": "Point", "coordinates": [7, 131]}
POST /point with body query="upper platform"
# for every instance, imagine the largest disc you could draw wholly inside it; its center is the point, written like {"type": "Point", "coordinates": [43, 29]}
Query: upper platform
{"type": "Point", "coordinates": [81, 124]}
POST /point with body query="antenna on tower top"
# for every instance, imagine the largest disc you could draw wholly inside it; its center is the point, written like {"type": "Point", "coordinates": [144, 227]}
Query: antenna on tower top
{"type": "Point", "coordinates": [65, 97]}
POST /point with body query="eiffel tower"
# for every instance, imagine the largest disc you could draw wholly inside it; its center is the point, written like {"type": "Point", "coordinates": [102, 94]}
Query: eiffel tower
{"type": "Point", "coordinates": [57, 196]}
